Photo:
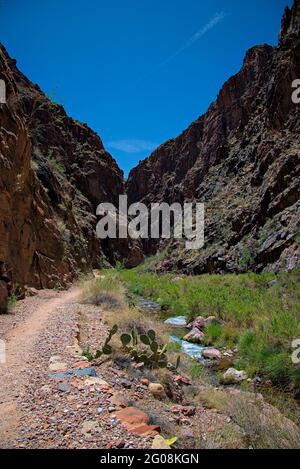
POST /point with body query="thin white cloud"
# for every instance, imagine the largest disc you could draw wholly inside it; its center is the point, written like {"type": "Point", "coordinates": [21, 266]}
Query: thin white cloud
{"type": "Point", "coordinates": [215, 19]}
{"type": "Point", "coordinates": [132, 145]}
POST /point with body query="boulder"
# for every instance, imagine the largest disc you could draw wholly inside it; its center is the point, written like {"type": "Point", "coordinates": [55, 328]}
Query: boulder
{"type": "Point", "coordinates": [195, 336]}
{"type": "Point", "coordinates": [197, 323]}
{"type": "Point", "coordinates": [212, 354]}
{"type": "Point", "coordinates": [233, 376]}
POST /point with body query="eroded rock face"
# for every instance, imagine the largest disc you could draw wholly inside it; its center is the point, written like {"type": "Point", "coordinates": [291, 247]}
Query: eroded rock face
{"type": "Point", "coordinates": [3, 297]}
{"type": "Point", "coordinates": [242, 159]}
{"type": "Point", "coordinates": [54, 171]}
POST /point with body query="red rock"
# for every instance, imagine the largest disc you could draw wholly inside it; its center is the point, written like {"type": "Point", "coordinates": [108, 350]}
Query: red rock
{"type": "Point", "coordinates": [145, 430]}
{"type": "Point", "coordinates": [182, 380]}
{"type": "Point", "coordinates": [81, 365]}
{"type": "Point", "coordinates": [131, 416]}
{"type": "Point", "coordinates": [145, 382]}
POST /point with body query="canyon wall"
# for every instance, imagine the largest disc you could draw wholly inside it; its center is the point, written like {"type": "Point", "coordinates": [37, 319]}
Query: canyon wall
{"type": "Point", "coordinates": [54, 171]}
{"type": "Point", "coordinates": [241, 159]}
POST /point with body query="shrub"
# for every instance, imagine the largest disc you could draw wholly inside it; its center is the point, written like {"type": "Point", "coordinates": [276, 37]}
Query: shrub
{"type": "Point", "coordinates": [106, 291]}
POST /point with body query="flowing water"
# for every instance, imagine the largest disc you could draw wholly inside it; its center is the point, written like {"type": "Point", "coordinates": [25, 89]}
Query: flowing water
{"type": "Point", "coordinates": [177, 331]}
{"type": "Point", "coordinates": [283, 401]}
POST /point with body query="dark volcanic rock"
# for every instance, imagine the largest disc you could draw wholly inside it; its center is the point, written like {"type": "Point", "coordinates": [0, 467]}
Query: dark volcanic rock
{"type": "Point", "coordinates": [242, 159]}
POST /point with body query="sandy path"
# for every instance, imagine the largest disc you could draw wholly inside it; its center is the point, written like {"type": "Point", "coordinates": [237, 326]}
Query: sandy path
{"type": "Point", "coordinates": [19, 345]}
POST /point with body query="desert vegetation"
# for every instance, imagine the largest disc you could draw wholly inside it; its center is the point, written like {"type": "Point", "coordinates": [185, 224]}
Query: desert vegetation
{"type": "Point", "coordinates": [258, 313]}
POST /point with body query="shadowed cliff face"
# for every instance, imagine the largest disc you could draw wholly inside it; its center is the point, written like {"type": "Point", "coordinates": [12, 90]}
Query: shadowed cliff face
{"type": "Point", "coordinates": [242, 159]}
{"type": "Point", "coordinates": [54, 171]}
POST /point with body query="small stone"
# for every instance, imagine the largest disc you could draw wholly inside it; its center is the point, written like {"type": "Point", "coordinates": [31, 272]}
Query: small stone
{"type": "Point", "coordinates": [64, 387]}
{"type": "Point", "coordinates": [94, 381]}
{"type": "Point", "coordinates": [183, 380]}
{"type": "Point", "coordinates": [46, 389]}
{"type": "Point", "coordinates": [145, 382]}
{"type": "Point", "coordinates": [88, 426]}
{"type": "Point", "coordinates": [119, 444]}
{"type": "Point", "coordinates": [188, 411]}
{"type": "Point", "coordinates": [199, 322]}
{"type": "Point", "coordinates": [137, 366]}
{"type": "Point", "coordinates": [156, 389]}
{"type": "Point", "coordinates": [125, 383]}
{"type": "Point", "coordinates": [118, 401]}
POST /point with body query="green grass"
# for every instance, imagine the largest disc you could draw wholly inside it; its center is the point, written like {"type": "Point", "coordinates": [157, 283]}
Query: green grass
{"type": "Point", "coordinates": [261, 314]}
{"type": "Point", "coordinates": [55, 165]}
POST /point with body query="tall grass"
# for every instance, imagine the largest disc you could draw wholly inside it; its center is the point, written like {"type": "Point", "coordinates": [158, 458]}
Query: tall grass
{"type": "Point", "coordinates": [261, 314]}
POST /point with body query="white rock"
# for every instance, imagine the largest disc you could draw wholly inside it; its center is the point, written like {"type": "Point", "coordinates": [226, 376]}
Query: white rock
{"type": "Point", "coordinates": [95, 381]}
{"type": "Point", "coordinates": [233, 376]}
{"type": "Point", "coordinates": [58, 366]}
{"type": "Point", "coordinates": [55, 358]}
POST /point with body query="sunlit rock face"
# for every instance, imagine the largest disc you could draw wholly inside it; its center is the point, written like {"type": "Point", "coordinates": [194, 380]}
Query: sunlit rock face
{"type": "Point", "coordinates": [242, 159]}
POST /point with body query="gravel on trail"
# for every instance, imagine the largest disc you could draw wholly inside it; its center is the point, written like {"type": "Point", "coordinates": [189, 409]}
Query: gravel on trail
{"type": "Point", "coordinates": [52, 397]}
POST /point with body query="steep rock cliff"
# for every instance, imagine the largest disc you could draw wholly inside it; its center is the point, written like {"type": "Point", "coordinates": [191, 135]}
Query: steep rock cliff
{"type": "Point", "coordinates": [54, 171]}
{"type": "Point", "coordinates": [242, 159]}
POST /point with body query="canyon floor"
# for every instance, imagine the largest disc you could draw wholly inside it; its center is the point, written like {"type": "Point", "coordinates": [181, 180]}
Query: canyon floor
{"type": "Point", "coordinates": [51, 396]}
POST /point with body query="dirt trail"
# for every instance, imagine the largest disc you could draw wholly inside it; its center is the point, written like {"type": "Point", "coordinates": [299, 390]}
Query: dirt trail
{"type": "Point", "coordinates": [19, 345]}
{"type": "Point", "coordinates": [41, 409]}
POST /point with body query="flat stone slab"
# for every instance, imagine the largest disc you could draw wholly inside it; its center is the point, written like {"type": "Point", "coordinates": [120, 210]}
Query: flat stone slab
{"type": "Point", "coordinates": [58, 366]}
{"type": "Point", "coordinates": [136, 421]}
{"type": "Point", "coordinates": [79, 372]}
{"type": "Point", "coordinates": [179, 321]}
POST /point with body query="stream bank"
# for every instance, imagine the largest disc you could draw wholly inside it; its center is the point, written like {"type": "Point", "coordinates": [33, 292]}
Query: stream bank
{"type": "Point", "coordinates": [177, 329]}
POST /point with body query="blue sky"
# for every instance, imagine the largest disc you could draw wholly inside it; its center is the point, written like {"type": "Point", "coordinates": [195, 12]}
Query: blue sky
{"type": "Point", "coordinates": [136, 71]}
